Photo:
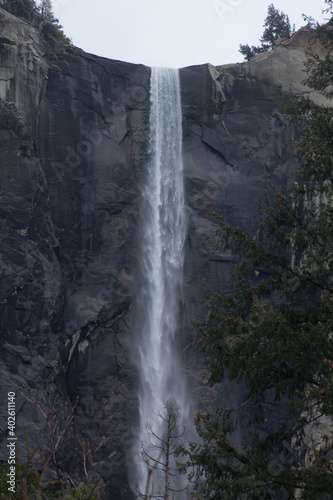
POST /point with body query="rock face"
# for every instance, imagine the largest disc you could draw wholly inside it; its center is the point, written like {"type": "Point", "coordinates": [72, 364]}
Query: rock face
{"type": "Point", "coordinates": [69, 208]}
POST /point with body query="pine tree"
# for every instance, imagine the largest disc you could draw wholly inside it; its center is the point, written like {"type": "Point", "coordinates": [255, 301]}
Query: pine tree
{"type": "Point", "coordinates": [277, 25]}
{"type": "Point", "coordinates": [48, 25]}
{"type": "Point", "coordinates": [22, 8]}
{"type": "Point", "coordinates": [249, 52]}
{"type": "Point", "coordinates": [273, 334]}
{"type": "Point", "coordinates": [47, 12]}
{"type": "Point", "coordinates": [40, 16]}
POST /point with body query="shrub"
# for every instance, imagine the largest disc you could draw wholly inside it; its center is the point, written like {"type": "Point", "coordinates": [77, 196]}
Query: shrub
{"type": "Point", "coordinates": [11, 117]}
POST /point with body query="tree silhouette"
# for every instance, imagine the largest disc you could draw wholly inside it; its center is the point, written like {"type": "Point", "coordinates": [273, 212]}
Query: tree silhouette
{"type": "Point", "coordinates": [159, 453]}
{"type": "Point", "coordinates": [22, 8]}
{"type": "Point", "coordinates": [277, 25]}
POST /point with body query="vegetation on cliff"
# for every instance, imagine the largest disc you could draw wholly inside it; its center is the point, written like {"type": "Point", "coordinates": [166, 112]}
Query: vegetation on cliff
{"type": "Point", "coordinates": [65, 465]}
{"type": "Point", "coordinates": [39, 15]}
{"type": "Point", "coordinates": [277, 25]}
{"type": "Point", "coordinates": [11, 117]}
{"type": "Point", "coordinates": [271, 333]}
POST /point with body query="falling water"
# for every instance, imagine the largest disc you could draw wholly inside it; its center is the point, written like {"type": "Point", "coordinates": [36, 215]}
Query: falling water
{"type": "Point", "coordinates": [162, 233]}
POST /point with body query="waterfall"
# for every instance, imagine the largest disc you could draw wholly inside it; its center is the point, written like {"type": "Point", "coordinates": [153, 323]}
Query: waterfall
{"type": "Point", "coordinates": [162, 235]}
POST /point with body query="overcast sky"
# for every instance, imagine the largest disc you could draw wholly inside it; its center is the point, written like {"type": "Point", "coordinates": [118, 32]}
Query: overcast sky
{"type": "Point", "coordinates": [173, 33]}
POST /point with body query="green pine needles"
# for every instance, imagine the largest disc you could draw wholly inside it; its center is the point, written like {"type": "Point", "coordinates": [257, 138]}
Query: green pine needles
{"type": "Point", "coordinates": [277, 25]}
{"type": "Point", "coordinates": [40, 15]}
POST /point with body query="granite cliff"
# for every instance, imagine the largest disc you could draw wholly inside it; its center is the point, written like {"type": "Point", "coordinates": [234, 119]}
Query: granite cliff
{"type": "Point", "coordinates": [69, 211]}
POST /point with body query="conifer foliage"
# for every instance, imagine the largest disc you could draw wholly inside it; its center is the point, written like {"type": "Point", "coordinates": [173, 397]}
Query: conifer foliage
{"type": "Point", "coordinates": [277, 25]}
{"type": "Point", "coordinates": [273, 333]}
{"type": "Point", "coordinates": [39, 15]}
{"type": "Point", "coordinates": [26, 9]}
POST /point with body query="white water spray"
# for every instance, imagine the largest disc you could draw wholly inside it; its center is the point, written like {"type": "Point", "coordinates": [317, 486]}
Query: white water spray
{"type": "Point", "coordinates": [162, 235]}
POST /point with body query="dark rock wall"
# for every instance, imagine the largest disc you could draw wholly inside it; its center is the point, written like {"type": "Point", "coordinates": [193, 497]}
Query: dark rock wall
{"type": "Point", "coordinates": [68, 211]}
{"type": "Point", "coordinates": [93, 136]}
{"type": "Point", "coordinates": [69, 206]}
{"type": "Point", "coordinates": [235, 145]}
